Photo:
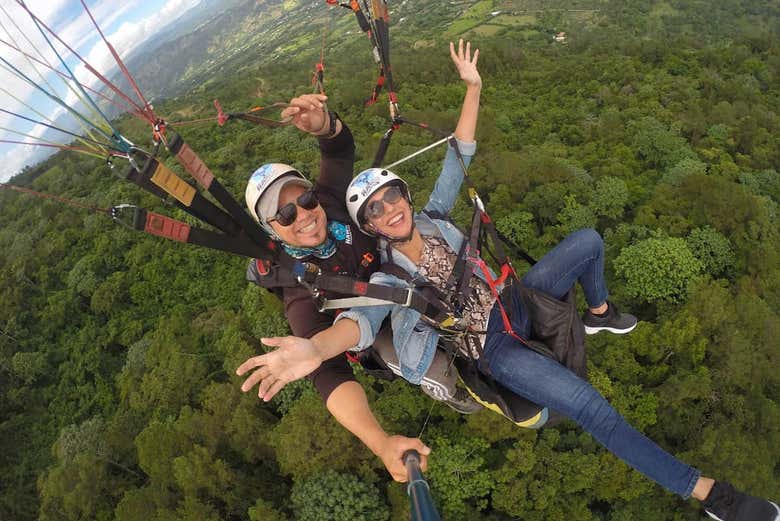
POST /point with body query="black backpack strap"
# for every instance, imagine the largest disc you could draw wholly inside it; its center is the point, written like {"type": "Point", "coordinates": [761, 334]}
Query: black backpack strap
{"type": "Point", "coordinates": [461, 274]}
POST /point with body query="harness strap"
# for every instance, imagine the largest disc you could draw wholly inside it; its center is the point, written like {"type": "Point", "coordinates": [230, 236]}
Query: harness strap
{"type": "Point", "coordinates": [169, 228]}
{"type": "Point", "coordinates": [352, 302]}
{"type": "Point", "coordinates": [438, 311]}
{"type": "Point", "coordinates": [463, 270]}
{"type": "Point", "coordinates": [425, 300]}
{"type": "Point", "coordinates": [493, 285]}
{"type": "Point", "coordinates": [198, 169]}
{"type": "Point", "coordinates": [157, 179]}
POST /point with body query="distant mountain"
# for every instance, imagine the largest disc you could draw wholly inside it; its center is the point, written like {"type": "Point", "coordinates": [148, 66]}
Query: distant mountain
{"type": "Point", "coordinates": [187, 53]}
{"type": "Point", "coordinates": [241, 32]}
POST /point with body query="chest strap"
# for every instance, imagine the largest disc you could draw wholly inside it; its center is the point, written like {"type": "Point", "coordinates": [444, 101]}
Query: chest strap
{"type": "Point", "coordinates": [426, 301]}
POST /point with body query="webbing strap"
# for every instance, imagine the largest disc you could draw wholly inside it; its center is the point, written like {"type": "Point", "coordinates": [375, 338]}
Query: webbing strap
{"type": "Point", "coordinates": [352, 302]}
{"type": "Point", "coordinates": [169, 228]}
{"type": "Point", "coordinates": [425, 302]}
{"type": "Point", "coordinates": [198, 169]}
{"type": "Point", "coordinates": [194, 203]}
{"type": "Point", "coordinates": [161, 226]}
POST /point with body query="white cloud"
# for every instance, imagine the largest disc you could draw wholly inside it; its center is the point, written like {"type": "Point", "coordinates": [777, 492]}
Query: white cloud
{"type": "Point", "coordinates": [81, 35]}
{"type": "Point", "coordinates": [52, 11]}
{"type": "Point", "coordinates": [12, 162]}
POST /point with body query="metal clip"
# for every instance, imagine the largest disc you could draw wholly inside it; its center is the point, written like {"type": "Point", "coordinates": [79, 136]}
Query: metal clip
{"type": "Point", "coordinates": [409, 294]}
{"type": "Point", "coordinates": [300, 276]}
{"type": "Point", "coordinates": [117, 212]}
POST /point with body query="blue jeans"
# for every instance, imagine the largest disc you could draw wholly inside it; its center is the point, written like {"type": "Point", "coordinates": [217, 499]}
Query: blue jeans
{"type": "Point", "coordinates": [580, 256]}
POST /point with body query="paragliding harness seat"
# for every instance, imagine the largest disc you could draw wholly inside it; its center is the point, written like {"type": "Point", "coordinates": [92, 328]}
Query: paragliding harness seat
{"type": "Point", "coordinates": [558, 333]}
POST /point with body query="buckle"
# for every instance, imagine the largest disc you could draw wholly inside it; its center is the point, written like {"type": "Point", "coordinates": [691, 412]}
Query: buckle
{"type": "Point", "coordinates": [409, 294]}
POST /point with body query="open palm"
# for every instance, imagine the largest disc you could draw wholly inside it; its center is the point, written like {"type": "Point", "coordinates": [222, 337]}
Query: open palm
{"type": "Point", "coordinates": [466, 63]}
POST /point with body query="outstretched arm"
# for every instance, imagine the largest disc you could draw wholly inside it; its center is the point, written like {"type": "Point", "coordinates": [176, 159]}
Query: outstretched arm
{"type": "Point", "coordinates": [296, 357]}
{"type": "Point", "coordinates": [348, 404]}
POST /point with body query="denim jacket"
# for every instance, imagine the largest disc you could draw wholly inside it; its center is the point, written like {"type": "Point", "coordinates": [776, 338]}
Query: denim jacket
{"type": "Point", "coordinates": [415, 342]}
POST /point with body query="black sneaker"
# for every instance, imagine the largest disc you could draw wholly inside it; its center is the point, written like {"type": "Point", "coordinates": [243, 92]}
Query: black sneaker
{"type": "Point", "coordinates": [614, 321]}
{"type": "Point", "coordinates": [725, 503]}
{"type": "Point", "coordinates": [463, 402]}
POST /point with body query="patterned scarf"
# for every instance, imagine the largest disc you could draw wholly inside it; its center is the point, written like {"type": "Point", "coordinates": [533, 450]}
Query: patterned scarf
{"type": "Point", "coordinates": [336, 232]}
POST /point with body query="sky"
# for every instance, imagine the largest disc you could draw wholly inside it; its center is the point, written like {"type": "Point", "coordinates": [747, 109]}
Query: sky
{"type": "Point", "coordinates": [125, 23]}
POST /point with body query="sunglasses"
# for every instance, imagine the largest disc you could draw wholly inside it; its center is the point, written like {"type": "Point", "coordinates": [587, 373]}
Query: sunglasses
{"type": "Point", "coordinates": [376, 209]}
{"type": "Point", "coordinates": [289, 212]}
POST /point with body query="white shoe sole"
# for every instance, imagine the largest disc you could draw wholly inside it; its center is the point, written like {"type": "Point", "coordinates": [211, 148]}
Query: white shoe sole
{"type": "Point", "coordinates": [593, 330]}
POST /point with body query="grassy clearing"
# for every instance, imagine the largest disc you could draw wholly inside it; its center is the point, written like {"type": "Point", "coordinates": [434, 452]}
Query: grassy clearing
{"type": "Point", "coordinates": [515, 20]}
{"type": "Point", "coordinates": [474, 16]}
{"type": "Point", "coordinates": [487, 29]}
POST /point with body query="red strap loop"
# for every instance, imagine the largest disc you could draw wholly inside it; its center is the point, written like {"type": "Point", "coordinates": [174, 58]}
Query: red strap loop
{"type": "Point", "coordinates": [262, 267]}
{"type": "Point", "coordinates": [221, 116]}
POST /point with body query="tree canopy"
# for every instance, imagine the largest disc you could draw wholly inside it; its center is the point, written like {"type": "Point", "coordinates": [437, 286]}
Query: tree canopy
{"type": "Point", "coordinates": [656, 123]}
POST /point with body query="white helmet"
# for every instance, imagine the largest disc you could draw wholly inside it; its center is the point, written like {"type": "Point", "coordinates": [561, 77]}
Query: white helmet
{"type": "Point", "coordinates": [259, 183]}
{"type": "Point", "coordinates": [364, 186]}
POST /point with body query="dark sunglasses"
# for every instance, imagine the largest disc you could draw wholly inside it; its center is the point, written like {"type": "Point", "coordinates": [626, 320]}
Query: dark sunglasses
{"type": "Point", "coordinates": [289, 212]}
{"type": "Point", "coordinates": [376, 209]}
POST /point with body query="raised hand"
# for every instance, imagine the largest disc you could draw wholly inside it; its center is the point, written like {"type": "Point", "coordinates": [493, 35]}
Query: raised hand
{"type": "Point", "coordinates": [308, 112]}
{"type": "Point", "coordinates": [466, 63]}
{"type": "Point", "coordinates": [295, 358]}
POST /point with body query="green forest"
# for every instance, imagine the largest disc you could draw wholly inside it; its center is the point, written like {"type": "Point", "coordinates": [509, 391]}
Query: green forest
{"type": "Point", "coordinates": [655, 122]}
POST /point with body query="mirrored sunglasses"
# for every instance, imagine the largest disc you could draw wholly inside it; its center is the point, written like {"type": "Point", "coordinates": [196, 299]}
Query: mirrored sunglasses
{"type": "Point", "coordinates": [289, 212]}
{"type": "Point", "coordinates": [376, 209]}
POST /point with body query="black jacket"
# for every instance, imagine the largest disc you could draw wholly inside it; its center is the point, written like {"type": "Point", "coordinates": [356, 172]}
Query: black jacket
{"type": "Point", "coordinates": [355, 256]}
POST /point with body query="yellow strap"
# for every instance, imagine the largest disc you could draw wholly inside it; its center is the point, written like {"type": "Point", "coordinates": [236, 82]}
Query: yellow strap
{"type": "Point", "coordinates": [173, 184]}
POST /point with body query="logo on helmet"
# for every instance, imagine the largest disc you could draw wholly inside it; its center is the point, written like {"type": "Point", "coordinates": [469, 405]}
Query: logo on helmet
{"type": "Point", "coordinates": [260, 174]}
{"type": "Point", "coordinates": [366, 183]}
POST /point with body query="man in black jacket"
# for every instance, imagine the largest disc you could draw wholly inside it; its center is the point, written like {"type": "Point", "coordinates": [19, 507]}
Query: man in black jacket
{"type": "Point", "coordinates": [311, 224]}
